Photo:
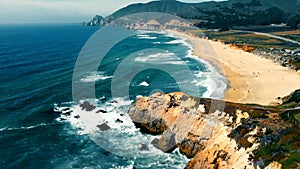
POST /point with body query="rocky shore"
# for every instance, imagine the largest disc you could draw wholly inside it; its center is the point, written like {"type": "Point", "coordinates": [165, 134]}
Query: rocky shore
{"type": "Point", "coordinates": [219, 134]}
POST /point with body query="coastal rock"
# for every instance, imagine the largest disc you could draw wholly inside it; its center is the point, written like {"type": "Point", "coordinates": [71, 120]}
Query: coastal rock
{"type": "Point", "coordinates": [96, 21]}
{"type": "Point", "coordinates": [294, 97]}
{"type": "Point", "coordinates": [217, 134]}
{"type": "Point", "coordinates": [148, 122]}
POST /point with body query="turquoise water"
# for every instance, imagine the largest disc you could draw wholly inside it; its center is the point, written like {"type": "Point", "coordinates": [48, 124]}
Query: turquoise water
{"type": "Point", "coordinates": [36, 71]}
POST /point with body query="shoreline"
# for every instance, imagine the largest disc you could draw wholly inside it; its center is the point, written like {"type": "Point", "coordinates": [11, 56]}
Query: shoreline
{"type": "Point", "coordinates": [252, 79]}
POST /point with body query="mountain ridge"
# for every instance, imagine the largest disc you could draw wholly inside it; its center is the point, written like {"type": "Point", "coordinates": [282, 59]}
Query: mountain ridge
{"type": "Point", "coordinates": [222, 14]}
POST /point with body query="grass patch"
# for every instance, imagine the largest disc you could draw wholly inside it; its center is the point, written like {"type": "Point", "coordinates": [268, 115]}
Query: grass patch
{"type": "Point", "coordinates": [250, 39]}
{"type": "Point", "coordinates": [292, 161]}
{"type": "Point", "coordinates": [297, 117]}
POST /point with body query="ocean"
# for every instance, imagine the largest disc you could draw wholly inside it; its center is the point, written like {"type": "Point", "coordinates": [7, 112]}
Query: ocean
{"type": "Point", "coordinates": [42, 124]}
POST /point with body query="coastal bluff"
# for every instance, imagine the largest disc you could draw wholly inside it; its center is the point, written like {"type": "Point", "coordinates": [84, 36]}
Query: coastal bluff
{"type": "Point", "coordinates": [219, 134]}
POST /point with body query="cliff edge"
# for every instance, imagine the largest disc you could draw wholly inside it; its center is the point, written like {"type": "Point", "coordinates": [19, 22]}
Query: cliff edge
{"type": "Point", "coordinates": [218, 134]}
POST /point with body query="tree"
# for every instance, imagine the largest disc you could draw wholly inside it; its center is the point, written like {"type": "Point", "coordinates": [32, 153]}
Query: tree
{"type": "Point", "coordinates": [294, 21]}
{"type": "Point", "coordinates": [275, 15]}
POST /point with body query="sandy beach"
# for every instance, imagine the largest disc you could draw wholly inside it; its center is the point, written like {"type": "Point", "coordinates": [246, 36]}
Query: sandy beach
{"type": "Point", "coordinates": [252, 79]}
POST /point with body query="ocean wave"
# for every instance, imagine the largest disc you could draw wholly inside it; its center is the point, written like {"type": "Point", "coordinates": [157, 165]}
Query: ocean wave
{"type": "Point", "coordinates": [149, 31]}
{"type": "Point", "coordinates": [121, 137]}
{"type": "Point", "coordinates": [180, 62]}
{"type": "Point", "coordinates": [87, 121]}
{"type": "Point", "coordinates": [212, 80]}
{"type": "Point", "coordinates": [119, 133]}
{"type": "Point", "coordinates": [180, 40]}
{"type": "Point", "coordinates": [155, 43]}
{"type": "Point", "coordinates": [95, 76]}
{"type": "Point", "coordinates": [155, 57]}
{"type": "Point", "coordinates": [145, 36]}
{"type": "Point", "coordinates": [23, 128]}
{"type": "Point", "coordinates": [144, 84]}
{"type": "Point", "coordinates": [174, 42]}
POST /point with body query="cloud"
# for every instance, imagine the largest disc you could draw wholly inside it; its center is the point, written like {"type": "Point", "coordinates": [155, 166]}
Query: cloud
{"type": "Point", "coordinates": [56, 10]}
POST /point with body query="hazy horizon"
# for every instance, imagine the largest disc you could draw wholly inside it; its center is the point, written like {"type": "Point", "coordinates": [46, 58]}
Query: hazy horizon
{"type": "Point", "coordinates": [61, 11]}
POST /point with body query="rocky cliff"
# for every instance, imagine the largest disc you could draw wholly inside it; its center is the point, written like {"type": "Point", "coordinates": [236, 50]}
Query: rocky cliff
{"type": "Point", "coordinates": [218, 134]}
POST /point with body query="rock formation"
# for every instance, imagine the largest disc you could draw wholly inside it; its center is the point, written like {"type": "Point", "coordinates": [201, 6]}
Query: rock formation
{"type": "Point", "coordinates": [218, 134]}
{"type": "Point", "coordinates": [96, 21]}
{"type": "Point", "coordinates": [294, 97]}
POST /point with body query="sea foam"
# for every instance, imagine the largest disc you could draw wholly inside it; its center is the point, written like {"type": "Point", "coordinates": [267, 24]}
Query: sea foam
{"type": "Point", "coordinates": [23, 128]}
{"type": "Point", "coordinates": [212, 79]}
{"type": "Point", "coordinates": [123, 138]}
{"type": "Point", "coordinates": [95, 76]}
{"type": "Point", "coordinates": [145, 36]}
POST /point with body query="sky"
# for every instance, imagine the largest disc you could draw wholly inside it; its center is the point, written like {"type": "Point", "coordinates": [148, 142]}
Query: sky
{"type": "Point", "coordinates": [61, 11]}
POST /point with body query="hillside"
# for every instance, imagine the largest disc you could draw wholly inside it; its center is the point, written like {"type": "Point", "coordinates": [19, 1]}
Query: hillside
{"type": "Point", "coordinates": [224, 14]}
{"type": "Point", "coordinates": [164, 6]}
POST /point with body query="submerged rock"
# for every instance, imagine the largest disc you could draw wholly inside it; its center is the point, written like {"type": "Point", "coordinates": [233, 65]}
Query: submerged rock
{"type": "Point", "coordinates": [218, 134]}
{"type": "Point", "coordinates": [101, 111]}
{"type": "Point", "coordinates": [87, 106]}
{"type": "Point", "coordinates": [104, 127]}
{"type": "Point", "coordinates": [144, 147]}
{"type": "Point", "coordinates": [67, 113]}
{"type": "Point", "coordinates": [119, 121]}
{"type": "Point", "coordinates": [77, 117]}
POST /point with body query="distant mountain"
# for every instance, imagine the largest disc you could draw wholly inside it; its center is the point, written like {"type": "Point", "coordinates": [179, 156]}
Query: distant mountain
{"type": "Point", "coordinates": [223, 14]}
{"type": "Point", "coordinates": [180, 8]}
{"type": "Point", "coordinates": [163, 6]}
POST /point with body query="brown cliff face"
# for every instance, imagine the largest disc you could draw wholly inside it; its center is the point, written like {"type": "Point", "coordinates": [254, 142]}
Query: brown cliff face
{"type": "Point", "coordinates": [218, 134]}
